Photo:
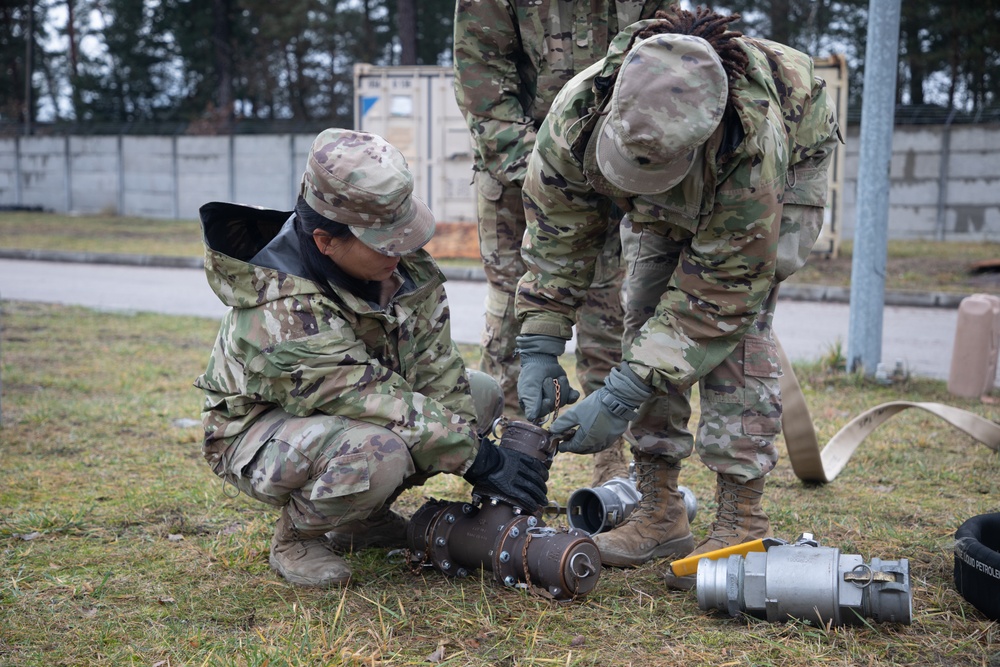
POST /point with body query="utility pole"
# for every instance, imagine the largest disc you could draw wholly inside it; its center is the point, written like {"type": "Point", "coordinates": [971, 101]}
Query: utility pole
{"type": "Point", "coordinates": [864, 333]}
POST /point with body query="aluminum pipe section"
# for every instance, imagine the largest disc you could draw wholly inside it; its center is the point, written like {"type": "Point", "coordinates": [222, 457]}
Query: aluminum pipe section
{"type": "Point", "coordinates": [807, 582]}
{"type": "Point", "coordinates": [494, 533]}
{"type": "Point", "coordinates": [601, 508]}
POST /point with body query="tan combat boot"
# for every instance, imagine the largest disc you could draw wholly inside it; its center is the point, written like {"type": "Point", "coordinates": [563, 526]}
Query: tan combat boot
{"type": "Point", "coordinates": [739, 518]}
{"type": "Point", "coordinates": [609, 464]}
{"type": "Point", "coordinates": [384, 528]}
{"type": "Point", "coordinates": [305, 559]}
{"type": "Point", "coordinates": [658, 526]}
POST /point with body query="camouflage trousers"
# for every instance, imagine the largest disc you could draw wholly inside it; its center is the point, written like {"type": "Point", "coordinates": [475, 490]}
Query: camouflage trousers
{"type": "Point", "coordinates": [739, 399]}
{"type": "Point", "coordinates": [598, 322]}
{"type": "Point", "coordinates": [331, 470]}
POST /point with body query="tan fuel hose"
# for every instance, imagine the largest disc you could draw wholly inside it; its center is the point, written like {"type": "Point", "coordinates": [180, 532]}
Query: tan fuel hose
{"type": "Point", "coordinates": [811, 464]}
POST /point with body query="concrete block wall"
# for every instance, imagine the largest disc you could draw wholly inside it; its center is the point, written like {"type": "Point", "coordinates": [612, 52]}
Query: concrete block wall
{"type": "Point", "coordinates": [202, 172]}
{"type": "Point", "coordinates": [150, 176]}
{"type": "Point", "coordinates": [94, 174]}
{"type": "Point", "coordinates": [171, 177]}
{"type": "Point", "coordinates": [962, 206]}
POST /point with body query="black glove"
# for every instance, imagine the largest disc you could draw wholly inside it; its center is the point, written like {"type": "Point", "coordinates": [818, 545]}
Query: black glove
{"type": "Point", "coordinates": [513, 474]}
{"type": "Point", "coordinates": [539, 367]}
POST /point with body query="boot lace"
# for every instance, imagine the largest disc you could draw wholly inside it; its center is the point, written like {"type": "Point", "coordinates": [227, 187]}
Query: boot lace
{"type": "Point", "coordinates": [726, 518]}
{"type": "Point", "coordinates": [645, 482]}
{"type": "Point", "coordinates": [648, 486]}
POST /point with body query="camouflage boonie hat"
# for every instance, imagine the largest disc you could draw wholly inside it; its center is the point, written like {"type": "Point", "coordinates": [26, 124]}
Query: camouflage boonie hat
{"type": "Point", "coordinates": [667, 101]}
{"type": "Point", "coordinates": [362, 181]}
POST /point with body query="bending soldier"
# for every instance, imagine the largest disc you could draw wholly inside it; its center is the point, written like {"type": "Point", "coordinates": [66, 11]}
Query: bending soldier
{"type": "Point", "coordinates": [717, 147]}
{"type": "Point", "coordinates": [511, 58]}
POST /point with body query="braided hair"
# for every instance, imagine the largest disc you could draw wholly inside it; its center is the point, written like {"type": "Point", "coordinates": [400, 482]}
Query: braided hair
{"type": "Point", "coordinates": [704, 23]}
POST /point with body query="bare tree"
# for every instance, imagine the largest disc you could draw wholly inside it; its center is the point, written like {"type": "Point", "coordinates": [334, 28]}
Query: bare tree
{"type": "Point", "coordinates": [406, 23]}
{"type": "Point", "coordinates": [222, 48]}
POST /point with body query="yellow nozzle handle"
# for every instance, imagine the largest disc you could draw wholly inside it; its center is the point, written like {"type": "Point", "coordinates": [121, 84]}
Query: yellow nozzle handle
{"type": "Point", "coordinates": [689, 565]}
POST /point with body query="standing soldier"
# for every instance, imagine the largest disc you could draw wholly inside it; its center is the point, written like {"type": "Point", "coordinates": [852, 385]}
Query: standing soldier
{"type": "Point", "coordinates": [511, 58]}
{"type": "Point", "coordinates": [717, 147]}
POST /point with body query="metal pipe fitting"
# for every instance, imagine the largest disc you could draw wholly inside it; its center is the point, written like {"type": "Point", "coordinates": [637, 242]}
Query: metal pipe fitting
{"type": "Point", "coordinates": [807, 582]}
{"type": "Point", "coordinates": [601, 508]}
{"type": "Point", "coordinates": [494, 533]}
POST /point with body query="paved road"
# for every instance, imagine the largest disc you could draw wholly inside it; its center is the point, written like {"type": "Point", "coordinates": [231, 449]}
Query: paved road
{"type": "Point", "coordinates": [921, 338]}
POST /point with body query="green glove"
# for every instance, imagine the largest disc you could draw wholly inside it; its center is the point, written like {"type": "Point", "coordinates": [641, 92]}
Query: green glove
{"type": "Point", "coordinates": [536, 392]}
{"type": "Point", "coordinates": [603, 416]}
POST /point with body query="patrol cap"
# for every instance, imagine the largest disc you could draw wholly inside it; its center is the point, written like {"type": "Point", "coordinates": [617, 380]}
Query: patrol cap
{"type": "Point", "coordinates": [361, 180]}
{"type": "Point", "coordinates": [667, 101]}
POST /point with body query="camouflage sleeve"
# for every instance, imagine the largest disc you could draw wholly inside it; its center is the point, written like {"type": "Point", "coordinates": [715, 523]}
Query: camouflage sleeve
{"type": "Point", "coordinates": [489, 90]}
{"type": "Point", "coordinates": [332, 373]}
{"type": "Point", "coordinates": [439, 364]}
{"type": "Point", "coordinates": [718, 288]}
{"type": "Point", "coordinates": [566, 226]}
{"type": "Point", "coordinates": [813, 143]}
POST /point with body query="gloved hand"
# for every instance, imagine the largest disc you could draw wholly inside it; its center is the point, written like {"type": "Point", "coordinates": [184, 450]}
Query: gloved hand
{"type": "Point", "coordinates": [604, 415]}
{"type": "Point", "coordinates": [536, 392]}
{"type": "Point", "coordinates": [513, 474]}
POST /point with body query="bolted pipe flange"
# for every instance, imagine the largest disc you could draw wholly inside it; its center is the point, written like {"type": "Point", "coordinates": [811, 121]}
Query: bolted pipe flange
{"type": "Point", "coordinates": [438, 538]}
{"type": "Point", "coordinates": [496, 533]}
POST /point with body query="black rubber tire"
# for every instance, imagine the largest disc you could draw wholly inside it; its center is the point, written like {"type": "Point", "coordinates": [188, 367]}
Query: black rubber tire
{"type": "Point", "coordinates": [977, 563]}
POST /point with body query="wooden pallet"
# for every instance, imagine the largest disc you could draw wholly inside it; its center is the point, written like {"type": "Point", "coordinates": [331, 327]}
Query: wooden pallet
{"type": "Point", "coordinates": [454, 240]}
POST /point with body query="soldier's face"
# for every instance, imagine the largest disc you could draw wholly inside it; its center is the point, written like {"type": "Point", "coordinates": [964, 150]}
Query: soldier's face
{"type": "Point", "coordinates": [355, 258]}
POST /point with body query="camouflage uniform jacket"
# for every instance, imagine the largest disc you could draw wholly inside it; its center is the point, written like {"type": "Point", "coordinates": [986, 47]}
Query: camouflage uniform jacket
{"type": "Point", "coordinates": [725, 215]}
{"type": "Point", "coordinates": [285, 343]}
{"type": "Point", "coordinates": [511, 58]}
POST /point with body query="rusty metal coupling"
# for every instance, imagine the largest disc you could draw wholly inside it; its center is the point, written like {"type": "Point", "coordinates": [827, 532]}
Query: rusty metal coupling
{"type": "Point", "coordinates": [494, 533]}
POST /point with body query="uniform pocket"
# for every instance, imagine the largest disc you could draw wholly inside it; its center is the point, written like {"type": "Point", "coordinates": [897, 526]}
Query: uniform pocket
{"type": "Point", "coordinates": [800, 227]}
{"type": "Point", "coordinates": [256, 469]}
{"type": "Point", "coordinates": [762, 395]}
{"type": "Point", "coordinates": [488, 187]}
{"type": "Point", "coordinates": [344, 475]}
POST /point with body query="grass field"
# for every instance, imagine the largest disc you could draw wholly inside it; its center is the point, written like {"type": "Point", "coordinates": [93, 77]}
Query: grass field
{"type": "Point", "coordinates": [119, 546]}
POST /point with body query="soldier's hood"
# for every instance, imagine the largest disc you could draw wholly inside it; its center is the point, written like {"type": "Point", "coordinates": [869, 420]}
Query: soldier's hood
{"type": "Point", "coordinates": [234, 234]}
{"type": "Point", "coordinates": [616, 50]}
{"type": "Point", "coordinates": [753, 92]}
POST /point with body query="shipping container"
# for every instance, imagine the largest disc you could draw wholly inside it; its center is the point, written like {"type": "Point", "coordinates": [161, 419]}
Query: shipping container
{"type": "Point", "coordinates": [414, 108]}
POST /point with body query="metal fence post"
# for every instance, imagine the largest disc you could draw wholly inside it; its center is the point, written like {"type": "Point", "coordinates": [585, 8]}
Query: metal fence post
{"type": "Point", "coordinates": [942, 201]}
{"type": "Point", "coordinates": [175, 174]}
{"type": "Point", "coordinates": [18, 177]}
{"type": "Point", "coordinates": [864, 333]}
{"type": "Point", "coordinates": [68, 166]}
{"type": "Point", "coordinates": [121, 175]}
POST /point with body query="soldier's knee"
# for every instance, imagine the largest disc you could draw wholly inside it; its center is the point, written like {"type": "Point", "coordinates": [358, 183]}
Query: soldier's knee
{"type": "Point", "coordinates": [487, 397]}
{"type": "Point", "coordinates": [363, 477]}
